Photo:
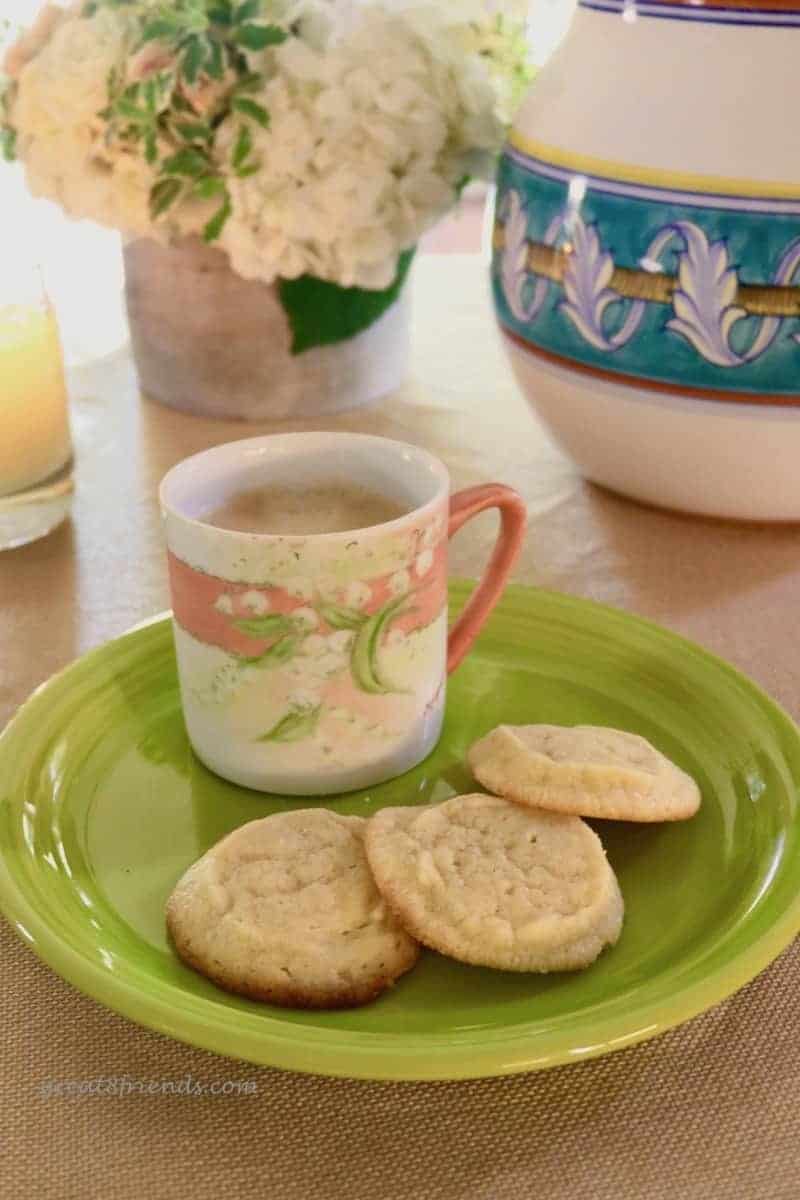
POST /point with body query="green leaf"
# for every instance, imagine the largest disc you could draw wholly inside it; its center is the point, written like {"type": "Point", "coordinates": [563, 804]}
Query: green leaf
{"type": "Point", "coordinates": [342, 618]}
{"type": "Point", "coordinates": [162, 195]}
{"type": "Point", "coordinates": [249, 108]}
{"type": "Point", "coordinates": [192, 60]}
{"type": "Point", "coordinates": [151, 96]}
{"type": "Point", "coordinates": [298, 724]}
{"type": "Point", "coordinates": [158, 29]}
{"type": "Point", "coordinates": [322, 314]}
{"type": "Point", "coordinates": [250, 8]}
{"type": "Point", "coordinates": [181, 104]}
{"type": "Point", "coordinates": [278, 654]}
{"type": "Point", "coordinates": [194, 131]}
{"type": "Point", "coordinates": [165, 85]}
{"type": "Point", "coordinates": [215, 63]}
{"type": "Point", "coordinates": [207, 188]}
{"type": "Point", "coordinates": [270, 626]}
{"type": "Point", "coordinates": [246, 172]}
{"type": "Point", "coordinates": [131, 112]}
{"type": "Point", "coordinates": [8, 144]}
{"type": "Point", "coordinates": [150, 147]}
{"type": "Point", "coordinates": [216, 225]}
{"type": "Point", "coordinates": [191, 14]}
{"type": "Point", "coordinates": [243, 146]}
{"type": "Point", "coordinates": [364, 656]}
{"type": "Point", "coordinates": [188, 162]}
{"type": "Point", "coordinates": [258, 37]}
{"type": "Point", "coordinates": [221, 13]}
{"type": "Point", "coordinates": [250, 82]}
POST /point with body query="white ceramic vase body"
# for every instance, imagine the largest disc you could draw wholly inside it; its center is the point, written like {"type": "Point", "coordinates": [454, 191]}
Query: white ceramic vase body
{"type": "Point", "coordinates": [647, 253]}
{"type": "Point", "coordinates": [208, 342]}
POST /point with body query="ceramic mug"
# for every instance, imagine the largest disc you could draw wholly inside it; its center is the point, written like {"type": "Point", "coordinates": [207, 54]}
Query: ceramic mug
{"type": "Point", "coordinates": [317, 664]}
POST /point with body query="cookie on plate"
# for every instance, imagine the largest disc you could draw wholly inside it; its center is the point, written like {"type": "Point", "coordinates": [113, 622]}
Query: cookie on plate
{"type": "Point", "coordinates": [489, 882]}
{"type": "Point", "coordinates": [285, 910]}
{"type": "Point", "coordinates": [585, 770]}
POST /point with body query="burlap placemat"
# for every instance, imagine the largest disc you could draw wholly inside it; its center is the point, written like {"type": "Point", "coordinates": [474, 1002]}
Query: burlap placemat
{"type": "Point", "coordinates": [707, 1111]}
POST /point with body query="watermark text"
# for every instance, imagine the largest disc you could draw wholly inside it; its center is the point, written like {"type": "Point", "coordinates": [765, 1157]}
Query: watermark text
{"type": "Point", "coordinates": [127, 1085]}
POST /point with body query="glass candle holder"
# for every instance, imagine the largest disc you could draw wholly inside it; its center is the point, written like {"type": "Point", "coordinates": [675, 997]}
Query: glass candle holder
{"type": "Point", "coordinates": [35, 445]}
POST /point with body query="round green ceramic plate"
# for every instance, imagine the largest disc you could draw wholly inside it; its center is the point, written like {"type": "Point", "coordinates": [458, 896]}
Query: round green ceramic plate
{"type": "Point", "coordinates": [104, 806]}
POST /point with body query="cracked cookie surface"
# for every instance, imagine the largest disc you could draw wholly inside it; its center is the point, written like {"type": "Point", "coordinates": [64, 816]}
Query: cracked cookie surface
{"type": "Point", "coordinates": [285, 910]}
{"type": "Point", "coordinates": [492, 883]}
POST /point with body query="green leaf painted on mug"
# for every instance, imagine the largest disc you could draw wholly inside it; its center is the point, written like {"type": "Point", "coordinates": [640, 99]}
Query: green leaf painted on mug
{"type": "Point", "coordinates": [279, 653]}
{"type": "Point", "coordinates": [299, 723]}
{"type": "Point", "coordinates": [270, 626]}
{"type": "Point", "coordinates": [364, 658]}
{"type": "Point", "coordinates": [339, 617]}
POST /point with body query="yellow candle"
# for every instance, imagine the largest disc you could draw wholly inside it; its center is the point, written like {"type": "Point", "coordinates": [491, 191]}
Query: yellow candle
{"type": "Point", "coordinates": [34, 426]}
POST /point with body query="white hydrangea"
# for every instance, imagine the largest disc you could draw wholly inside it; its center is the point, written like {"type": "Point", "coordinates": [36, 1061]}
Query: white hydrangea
{"type": "Point", "coordinates": [60, 93]}
{"type": "Point", "coordinates": [363, 151]}
{"type": "Point", "coordinates": [378, 109]}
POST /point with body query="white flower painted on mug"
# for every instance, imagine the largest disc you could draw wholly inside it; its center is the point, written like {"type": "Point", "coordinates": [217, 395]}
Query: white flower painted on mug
{"type": "Point", "coordinates": [255, 602]}
{"type": "Point", "coordinates": [329, 664]}
{"type": "Point", "coordinates": [339, 642]}
{"type": "Point", "coordinates": [424, 563]}
{"type": "Point", "coordinates": [306, 617]}
{"type": "Point", "coordinates": [429, 535]}
{"type": "Point", "coordinates": [314, 646]}
{"type": "Point", "coordinates": [328, 588]}
{"type": "Point", "coordinates": [300, 589]}
{"type": "Point", "coordinates": [399, 583]}
{"type": "Point", "coordinates": [357, 595]}
{"type": "Point", "coordinates": [224, 604]}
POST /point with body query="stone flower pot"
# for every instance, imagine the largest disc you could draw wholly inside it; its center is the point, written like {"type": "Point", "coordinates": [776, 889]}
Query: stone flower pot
{"type": "Point", "coordinates": [208, 342]}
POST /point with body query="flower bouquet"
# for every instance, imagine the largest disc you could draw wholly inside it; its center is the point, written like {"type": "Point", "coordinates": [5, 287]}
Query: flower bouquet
{"type": "Point", "coordinates": [299, 148]}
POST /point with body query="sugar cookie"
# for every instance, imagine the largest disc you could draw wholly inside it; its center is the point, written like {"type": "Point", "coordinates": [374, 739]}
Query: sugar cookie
{"type": "Point", "coordinates": [492, 883]}
{"type": "Point", "coordinates": [285, 910]}
{"type": "Point", "coordinates": [585, 770]}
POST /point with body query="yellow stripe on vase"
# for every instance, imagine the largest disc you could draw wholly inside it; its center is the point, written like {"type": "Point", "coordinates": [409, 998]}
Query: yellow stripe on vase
{"type": "Point", "coordinates": [684, 181]}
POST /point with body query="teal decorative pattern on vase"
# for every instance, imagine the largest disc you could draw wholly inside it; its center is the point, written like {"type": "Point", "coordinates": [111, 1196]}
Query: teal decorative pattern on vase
{"type": "Point", "coordinates": [648, 284]}
{"type": "Point", "coordinates": [646, 267]}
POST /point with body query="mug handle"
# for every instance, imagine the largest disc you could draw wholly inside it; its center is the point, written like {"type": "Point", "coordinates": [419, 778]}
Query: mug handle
{"type": "Point", "coordinates": [513, 519]}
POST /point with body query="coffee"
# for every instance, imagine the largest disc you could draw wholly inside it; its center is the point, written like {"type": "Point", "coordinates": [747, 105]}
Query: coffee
{"type": "Point", "coordinates": [298, 511]}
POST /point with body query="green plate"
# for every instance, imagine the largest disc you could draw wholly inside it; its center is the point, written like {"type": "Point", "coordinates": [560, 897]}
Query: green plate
{"type": "Point", "coordinates": [104, 806]}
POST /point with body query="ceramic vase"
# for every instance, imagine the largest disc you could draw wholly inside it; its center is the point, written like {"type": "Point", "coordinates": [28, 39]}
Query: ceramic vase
{"type": "Point", "coordinates": [646, 267]}
{"type": "Point", "coordinates": [208, 342]}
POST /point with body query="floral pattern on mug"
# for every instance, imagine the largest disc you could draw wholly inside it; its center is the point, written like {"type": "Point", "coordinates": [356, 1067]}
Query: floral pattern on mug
{"type": "Point", "coordinates": [338, 653]}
